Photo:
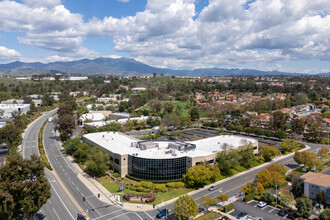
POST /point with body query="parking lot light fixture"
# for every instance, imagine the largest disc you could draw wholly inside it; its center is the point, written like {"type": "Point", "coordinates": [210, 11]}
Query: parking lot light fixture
{"type": "Point", "coordinates": [276, 196]}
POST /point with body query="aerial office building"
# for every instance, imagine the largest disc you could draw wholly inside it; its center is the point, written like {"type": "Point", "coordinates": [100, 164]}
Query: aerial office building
{"type": "Point", "coordinates": [161, 160]}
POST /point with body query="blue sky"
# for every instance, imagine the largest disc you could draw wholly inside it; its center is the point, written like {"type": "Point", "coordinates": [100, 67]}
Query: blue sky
{"type": "Point", "coordinates": [180, 34]}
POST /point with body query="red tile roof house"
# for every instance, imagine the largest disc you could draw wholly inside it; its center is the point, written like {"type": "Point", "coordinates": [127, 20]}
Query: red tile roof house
{"type": "Point", "coordinates": [326, 122]}
{"type": "Point", "coordinates": [315, 183]}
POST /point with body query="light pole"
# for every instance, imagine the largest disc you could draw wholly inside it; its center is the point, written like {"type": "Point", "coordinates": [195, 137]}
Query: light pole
{"type": "Point", "coordinates": [276, 196]}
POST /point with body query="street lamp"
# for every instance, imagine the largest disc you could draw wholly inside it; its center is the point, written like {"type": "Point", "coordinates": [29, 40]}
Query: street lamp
{"type": "Point", "coordinates": [276, 196]}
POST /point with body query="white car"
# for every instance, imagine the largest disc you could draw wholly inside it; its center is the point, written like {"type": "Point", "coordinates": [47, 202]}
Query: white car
{"type": "Point", "coordinates": [261, 204]}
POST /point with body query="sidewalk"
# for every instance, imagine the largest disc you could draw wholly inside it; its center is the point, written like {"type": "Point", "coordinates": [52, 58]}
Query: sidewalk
{"type": "Point", "coordinates": [97, 187]}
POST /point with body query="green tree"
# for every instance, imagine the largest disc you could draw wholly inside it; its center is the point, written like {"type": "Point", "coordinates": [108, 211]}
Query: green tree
{"type": "Point", "coordinates": [185, 207]}
{"type": "Point", "coordinates": [298, 126]}
{"type": "Point", "coordinates": [278, 167]}
{"type": "Point", "coordinates": [222, 197]}
{"type": "Point", "coordinates": [227, 160]}
{"type": "Point", "coordinates": [277, 178]}
{"type": "Point", "coordinates": [269, 152]}
{"type": "Point", "coordinates": [265, 178]}
{"type": "Point", "coordinates": [194, 114]}
{"type": "Point", "coordinates": [268, 197]}
{"type": "Point", "coordinates": [325, 215]}
{"type": "Point", "coordinates": [304, 207]}
{"type": "Point", "coordinates": [297, 187]}
{"type": "Point", "coordinates": [206, 202]}
{"type": "Point", "coordinates": [288, 145]}
{"type": "Point", "coordinates": [279, 120]}
{"type": "Point", "coordinates": [280, 134]}
{"type": "Point", "coordinates": [323, 151]}
{"type": "Point", "coordinates": [23, 187]}
{"type": "Point", "coordinates": [98, 162]}
{"type": "Point", "coordinates": [309, 159]}
{"type": "Point", "coordinates": [260, 188]}
{"type": "Point", "coordinates": [249, 188]}
{"type": "Point", "coordinates": [197, 176]}
{"type": "Point", "coordinates": [321, 197]}
{"type": "Point", "coordinates": [286, 198]}
{"type": "Point", "coordinates": [247, 156]}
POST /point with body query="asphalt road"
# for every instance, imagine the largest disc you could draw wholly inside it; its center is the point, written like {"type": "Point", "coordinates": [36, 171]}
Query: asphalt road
{"type": "Point", "coordinates": [59, 205]}
{"type": "Point", "coordinates": [99, 210]}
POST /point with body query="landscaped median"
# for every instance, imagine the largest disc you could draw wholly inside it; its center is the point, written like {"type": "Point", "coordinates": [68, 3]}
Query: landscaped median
{"type": "Point", "coordinates": [42, 152]}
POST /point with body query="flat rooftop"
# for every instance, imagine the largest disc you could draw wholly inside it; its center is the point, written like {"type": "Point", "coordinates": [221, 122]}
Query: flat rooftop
{"type": "Point", "coordinates": [120, 143]}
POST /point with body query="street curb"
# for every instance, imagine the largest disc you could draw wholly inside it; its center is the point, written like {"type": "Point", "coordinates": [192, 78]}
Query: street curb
{"type": "Point", "coordinates": [73, 200]}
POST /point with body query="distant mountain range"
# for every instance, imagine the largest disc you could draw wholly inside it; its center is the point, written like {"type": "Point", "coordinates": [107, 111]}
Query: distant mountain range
{"type": "Point", "coordinates": [121, 66]}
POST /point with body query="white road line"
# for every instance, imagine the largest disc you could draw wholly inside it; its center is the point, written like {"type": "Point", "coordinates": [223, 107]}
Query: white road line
{"type": "Point", "coordinates": [62, 202]}
{"type": "Point", "coordinates": [263, 208]}
{"type": "Point", "coordinates": [126, 214]}
{"type": "Point", "coordinates": [148, 215]}
{"type": "Point", "coordinates": [56, 214]}
{"type": "Point", "coordinates": [93, 208]}
{"type": "Point", "coordinates": [107, 214]}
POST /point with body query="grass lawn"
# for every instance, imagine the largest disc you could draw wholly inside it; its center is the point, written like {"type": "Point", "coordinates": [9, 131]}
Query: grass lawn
{"type": "Point", "coordinates": [209, 216]}
{"type": "Point", "coordinates": [112, 187]}
{"type": "Point", "coordinates": [184, 111]}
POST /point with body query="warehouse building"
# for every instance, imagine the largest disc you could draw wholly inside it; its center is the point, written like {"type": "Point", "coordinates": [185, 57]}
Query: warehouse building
{"type": "Point", "coordinates": [9, 109]}
{"type": "Point", "coordinates": [161, 160]}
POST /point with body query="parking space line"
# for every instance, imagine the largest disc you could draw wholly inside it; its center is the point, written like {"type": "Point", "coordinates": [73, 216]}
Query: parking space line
{"type": "Point", "coordinates": [264, 207]}
{"type": "Point", "coordinates": [271, 210]}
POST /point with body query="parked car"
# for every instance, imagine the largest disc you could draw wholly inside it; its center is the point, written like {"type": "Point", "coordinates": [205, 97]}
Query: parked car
{"type": "Point", "coordinates": [249, 217]}
{"type": "Point", "coordinates": [282, 212]}
{"type": "Point", "coordinates": [241, 215]}
{"type": "Point", "coordinates": [80, 217]}
{"type": "Point", "coordinates": [258, 218]}
{"type": "Point", "coordinates": [200, 210]}
{"type": "Point", "coordinates": [262, 204]}
{"type": "Point", "coordinates": [292, 215]}
{"type": "Point", "coordinates": [212, 188]}
{"type": "Point", "coordinates": [162, 213]}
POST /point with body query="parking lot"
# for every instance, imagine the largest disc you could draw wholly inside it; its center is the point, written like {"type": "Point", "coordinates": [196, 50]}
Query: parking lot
{"type": "Point", "coordinates": [267, 212]}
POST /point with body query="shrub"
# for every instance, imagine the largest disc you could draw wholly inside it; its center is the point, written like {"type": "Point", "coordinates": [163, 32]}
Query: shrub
{"type": "Point", "coordinates": [148, 185]}
{"type": "Point", "coordinates": [140, 189]}
{"type": "Point", "coordinates": [175, 185]}
{"type": "Point", "coordinates": [160, 187]}
{"type": "Point", "coordinates": [138, 184]}
{"type": "Point", "coordinates": [257, 197]}
{"type": "Point", "coordinates": [240, 168]}
{"type": "Point", "coordinates": [268, 197]}
{"type": "Point", "coordinates": [116, 175]}
{"type": "Point", "coordinates": [249, 197]}
{"type": "Point", "coordinates": [227, 208]}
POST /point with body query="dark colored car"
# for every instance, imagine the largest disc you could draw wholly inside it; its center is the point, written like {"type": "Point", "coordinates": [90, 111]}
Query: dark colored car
{"type": "Point", "coordinates": [80, 217]}
{"type": "Point", "coordinates": [200, 209]}
{"type": "Point", "coordinates": [241, 215]}
{"type": "Point", "coordinates": [282, 212]}
{"type": "Point", "coordinates": [162, 213]}
{"type": "Point", "coordinates": [292, 215]}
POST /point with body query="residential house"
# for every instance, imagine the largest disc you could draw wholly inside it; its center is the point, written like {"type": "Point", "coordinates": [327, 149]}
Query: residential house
{"type": "Point", "coordinates": [13, 101]}
{"type": "Point", "coordinates": [326, 122]}
{"type": "Point", "coordinates": [315, 183]}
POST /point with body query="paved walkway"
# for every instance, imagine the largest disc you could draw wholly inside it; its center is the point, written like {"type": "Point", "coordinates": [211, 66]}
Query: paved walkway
{"type": "Point", "coordinates": [97, 187]}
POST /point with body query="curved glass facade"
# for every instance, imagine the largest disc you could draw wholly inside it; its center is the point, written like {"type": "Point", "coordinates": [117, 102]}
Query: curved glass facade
{"type": "Point", "coordinates": [157, 169]}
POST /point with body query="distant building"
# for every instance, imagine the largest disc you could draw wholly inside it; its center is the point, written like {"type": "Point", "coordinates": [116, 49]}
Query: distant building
{"type": "Point", "coordinates": [92, 117]}
{"type": "Point", "coordinates": [138, 89]}
{"type": "Point", "coordinates": [13, 101]}
{"type": "Point", "coordinates": [326, 122]}
{"type": "Point", "coordinates": [315, 183]}
{"type": "Point", "coordinates": [9, 109]}
{"type": "Point", "coordinates": [37, 102]}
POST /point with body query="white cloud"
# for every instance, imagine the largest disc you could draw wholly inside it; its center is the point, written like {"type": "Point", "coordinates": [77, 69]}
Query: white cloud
{"type": "Point", "coordinates": [168, 34]}
{"type": "Point", "coordinates": [8, 54]}
{"type": "Point", "coordinates": [125, 1]}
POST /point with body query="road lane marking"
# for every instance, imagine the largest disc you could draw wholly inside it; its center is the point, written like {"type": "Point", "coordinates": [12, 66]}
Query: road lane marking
{"type": "Point", "coordinates": [107, 214]}
{"type": "Point", "coordinates": [56, 214]}
{"type": "Point", "coordinates": [148, 215]}
{"type": "Point", "coordinates": [126, 214]}
{"type": "Point", "coordinates": [62, 201]}
{"type": "Point", "coordinates": [264, 207]}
